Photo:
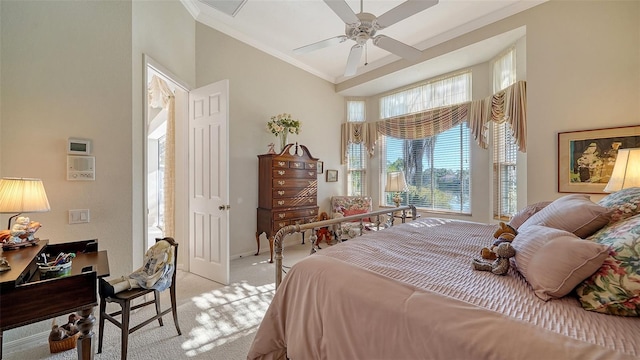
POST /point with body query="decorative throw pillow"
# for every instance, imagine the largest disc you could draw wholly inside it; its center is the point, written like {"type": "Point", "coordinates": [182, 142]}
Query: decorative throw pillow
{"type": "Point", "coordinates": [624, 203]}
{"type": "Point", "coordinates": [349, 212]}
{"type": "Point", "coordinates": [615, 288]}
{"type": "Point", "coordinates": [555, 261]}
{"type": "Point", "coordinates": [573, 213]}
{"type": "Point", "coordinates": [528, 211]}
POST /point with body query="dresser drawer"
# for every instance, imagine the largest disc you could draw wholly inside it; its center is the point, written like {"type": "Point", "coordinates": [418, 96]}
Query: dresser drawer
{"type": "Point", "coordinates": [294, 183]}
{"type": "Point", "coordinates": [280, 164]}
{"type": "Point", "coordinates": [294, 173]}
{"type": "Point", "coordinates": [294, 202]}
{"type": "Point", "coordinates": [293, 214]}
{"type": "Point", "coordinates": [289, 193]}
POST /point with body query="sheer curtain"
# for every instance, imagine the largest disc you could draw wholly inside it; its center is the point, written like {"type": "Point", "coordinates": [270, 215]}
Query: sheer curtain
{"type": "Point", "coordinates": [161, 96]}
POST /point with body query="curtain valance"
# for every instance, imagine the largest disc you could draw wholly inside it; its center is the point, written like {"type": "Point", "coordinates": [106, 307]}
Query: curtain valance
{"type": "Point", "coordinates": [357, 133]}
{"type": "Point", "coordinates": [423, 124]}
{"type": "Point", "coordinates": [508, 105]}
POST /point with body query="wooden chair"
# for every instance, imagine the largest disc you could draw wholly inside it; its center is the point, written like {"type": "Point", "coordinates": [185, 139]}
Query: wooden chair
{"type": "Point", "coordinates": [125, 298]}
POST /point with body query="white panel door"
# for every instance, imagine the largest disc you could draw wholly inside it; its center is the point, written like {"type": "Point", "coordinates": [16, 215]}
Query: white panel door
{"type": "Point", "coordinates": [209, 182]}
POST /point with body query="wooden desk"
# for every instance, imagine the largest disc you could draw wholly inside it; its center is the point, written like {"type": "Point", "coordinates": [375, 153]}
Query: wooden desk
{"type": "Point", "coordinates": [26, 299]}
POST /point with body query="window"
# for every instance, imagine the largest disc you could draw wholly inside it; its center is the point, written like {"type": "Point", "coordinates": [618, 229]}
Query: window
{"type": "Point", "coordinates": [357, 159]}
{"type": "Point", "coordinates": [436, 168]}
{"type": "Point", "coordinates": [504, 147]}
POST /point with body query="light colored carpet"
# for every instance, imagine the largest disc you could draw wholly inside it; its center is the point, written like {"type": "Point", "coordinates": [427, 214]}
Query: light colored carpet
{"type": "Point", "coordinates": [217, 322]}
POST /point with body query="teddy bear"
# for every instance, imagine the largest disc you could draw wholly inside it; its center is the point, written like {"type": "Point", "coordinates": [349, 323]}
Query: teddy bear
{"type": "Point", "coordinates": [505, 233]}
{"type": "Point", "coordinates": [323, 232]}
{"type": "Point", "coordinates": [499, 266]}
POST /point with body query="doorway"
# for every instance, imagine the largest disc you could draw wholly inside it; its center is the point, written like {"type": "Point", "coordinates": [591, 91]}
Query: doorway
{"type": "Point", "coordinates": [180, 200]}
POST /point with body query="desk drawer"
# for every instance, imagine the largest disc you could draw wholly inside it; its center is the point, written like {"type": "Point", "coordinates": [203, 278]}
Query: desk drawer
{"type": "Point", "coordinates": [41, 300]}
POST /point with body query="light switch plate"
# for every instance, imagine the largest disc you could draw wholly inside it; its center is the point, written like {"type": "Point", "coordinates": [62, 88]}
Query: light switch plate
{"type": "Point", "coordinates": [79, 216]}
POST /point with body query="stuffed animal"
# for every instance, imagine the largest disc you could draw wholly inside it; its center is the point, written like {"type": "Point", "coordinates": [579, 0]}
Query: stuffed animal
{"type": "Point", "coordinates": [499, 266]}
{"type": "Point", "coordinates": [505, 233]}
{"type": "Point", "coordinates": [323, 232]}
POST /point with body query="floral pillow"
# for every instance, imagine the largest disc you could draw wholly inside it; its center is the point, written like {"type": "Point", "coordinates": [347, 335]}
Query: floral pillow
{"type": "Point", "coordinates": [624, 203]}
{"type": "Point", "coordinates": [615, 287]}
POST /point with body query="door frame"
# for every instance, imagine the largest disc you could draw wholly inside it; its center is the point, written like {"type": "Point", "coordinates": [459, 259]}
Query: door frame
{"type": "Point", "coordinates": [182, 166]}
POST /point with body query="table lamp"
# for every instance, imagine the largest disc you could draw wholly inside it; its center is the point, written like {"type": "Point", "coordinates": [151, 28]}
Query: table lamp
{"type": "Point", "coordinates": [22, 195]}
{"type": "Point", "coordinates": [396, 183]}
{"type": "Point", "coordinates": [626, 171]}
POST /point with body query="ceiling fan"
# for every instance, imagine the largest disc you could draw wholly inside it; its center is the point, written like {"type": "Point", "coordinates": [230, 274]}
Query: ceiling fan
{"type": "Point", "coordinates": [363, 26]}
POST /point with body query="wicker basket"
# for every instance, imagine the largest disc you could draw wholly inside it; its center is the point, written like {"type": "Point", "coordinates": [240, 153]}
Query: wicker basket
{"type": "Point", "coordinates": [64, 344]}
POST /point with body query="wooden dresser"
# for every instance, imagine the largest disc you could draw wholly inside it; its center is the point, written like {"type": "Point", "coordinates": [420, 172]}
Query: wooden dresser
{"type": "Point", "coordinates": [287, 191]}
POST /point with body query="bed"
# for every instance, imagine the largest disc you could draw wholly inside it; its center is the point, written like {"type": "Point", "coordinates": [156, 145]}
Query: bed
{"type": "Point", "coordinates": [409, 292]}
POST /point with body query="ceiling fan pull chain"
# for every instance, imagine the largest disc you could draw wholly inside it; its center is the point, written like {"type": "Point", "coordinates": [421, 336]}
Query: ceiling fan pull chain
{"type": "Point", "coordinates": [366, 53]}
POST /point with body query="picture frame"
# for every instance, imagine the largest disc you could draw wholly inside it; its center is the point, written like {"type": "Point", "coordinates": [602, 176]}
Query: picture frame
{"type": "Point", "coordinates": [586, 157]}
{"type": "Point", "coordinates": [332, 175]}
{"type": "Point", "coordinates": [320, 167]}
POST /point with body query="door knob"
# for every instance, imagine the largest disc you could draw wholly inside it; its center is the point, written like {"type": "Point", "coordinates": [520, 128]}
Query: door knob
{"type": "Point", "coordinates": [224, 207]}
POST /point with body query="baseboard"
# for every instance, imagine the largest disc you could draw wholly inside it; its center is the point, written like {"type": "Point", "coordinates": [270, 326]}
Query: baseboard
{"type": "Point", "coordinates": [27, 342]}
{"type": "Point", "coordinates": [265, 249]}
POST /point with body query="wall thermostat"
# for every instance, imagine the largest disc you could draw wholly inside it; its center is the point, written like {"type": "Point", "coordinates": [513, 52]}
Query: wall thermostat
{"type": "Point", "coordinates": [78, 146]}
{"type": "Point", "coordinates": [81, 167]}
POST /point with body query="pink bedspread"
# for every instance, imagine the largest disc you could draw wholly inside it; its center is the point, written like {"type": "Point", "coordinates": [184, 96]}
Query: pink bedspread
{"type": "Point", "coordinates": [410, 293]}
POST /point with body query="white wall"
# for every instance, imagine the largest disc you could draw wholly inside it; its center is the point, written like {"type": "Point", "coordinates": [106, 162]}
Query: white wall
{"type": "Point", "coordinates": [261, 86]}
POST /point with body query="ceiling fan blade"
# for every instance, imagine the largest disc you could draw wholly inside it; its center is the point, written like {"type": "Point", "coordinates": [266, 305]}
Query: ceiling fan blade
{"type": "Point", "coordinates": [320, 44]}
{"type": "Point", "coordinates": [342, 9]}
{"type": "Point", "coordinates": [396, 47]}
{"type": "Point", "coordinates": [402, 11]}
{"type": "Point", "coordinates": [352, 62]}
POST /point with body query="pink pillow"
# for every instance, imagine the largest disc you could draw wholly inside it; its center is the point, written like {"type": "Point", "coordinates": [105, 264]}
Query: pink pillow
{"type": "Point", "coordinates": [523, 215]}
{"type": "Point", "coordinates": [349, 212]}
{"type": "Point", "coordinates": [573, 213]}
{"type": "Point", "coordinates": [554, 261]}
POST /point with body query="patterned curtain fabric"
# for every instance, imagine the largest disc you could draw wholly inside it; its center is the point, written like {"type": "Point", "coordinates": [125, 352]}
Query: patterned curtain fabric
{"type": "Point", "coordinates": [357, 133]}
{"type": "Point", "coordinates": [160, 95]}
{"type": "Point", "coordinates": [508, 105]}
{"type": "Point", "coordinates": [423, 124]}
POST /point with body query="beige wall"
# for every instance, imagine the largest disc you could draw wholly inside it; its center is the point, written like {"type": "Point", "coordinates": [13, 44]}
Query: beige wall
{"type": "Point", "coordinates": [261, 86]}
{"type": "Point", "coordinates": [165, 32]}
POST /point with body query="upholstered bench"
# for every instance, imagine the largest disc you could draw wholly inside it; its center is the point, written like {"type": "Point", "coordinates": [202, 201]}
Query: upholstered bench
{"type": "Point", "coordinates": [342, 206]}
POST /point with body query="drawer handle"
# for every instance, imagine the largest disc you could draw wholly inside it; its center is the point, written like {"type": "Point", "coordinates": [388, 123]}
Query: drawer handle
{"type": "Point", "coordinates": [310, 201]}
{"type": "Point", "coordinates": [282, 224]}
{"type": "Point", "coordinates": [311, 173]}
{"type": "Point", "coordinates": [281, 202]}
{"type": "Point", "coordinates": [311, 212]}
{"type": "Point", "coordinates": [281, 182]}
{"type": "Point", "coordinates": [282, 163]}
{"type": "Point", "coordinates": [281, 172]}
{"type": "Point", "coordinates": [282, 216]}
{"type": "Point", "coordinates": [296, 165]}
{"type": "Point", "coordinates": [312, 166]}
{"type": "Point", "coordinates": [280, 192]}
{"type": "Point", "coordinates": [310, 182]}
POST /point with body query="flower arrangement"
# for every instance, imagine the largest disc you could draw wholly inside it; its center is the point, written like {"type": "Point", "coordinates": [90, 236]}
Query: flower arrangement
{"type": "Point", "coordinates": [283, 123]}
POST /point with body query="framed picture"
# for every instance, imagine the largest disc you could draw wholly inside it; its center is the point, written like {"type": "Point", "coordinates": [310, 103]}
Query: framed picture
{"type": "Point", "coordinates": [332, 175]}
{"type": "Point", "coordinates": [586, 158]}
{"type": "Point", "coordinates": [320, 167]}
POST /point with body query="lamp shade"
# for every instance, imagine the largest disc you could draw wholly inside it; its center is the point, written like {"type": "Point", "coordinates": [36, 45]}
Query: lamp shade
{"type": "Point", "coordinates": [626, 171]}
{"type": "Point", "coordinates": [396, 182]}
{"type": "Point", "coordinates": [18, 195]}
